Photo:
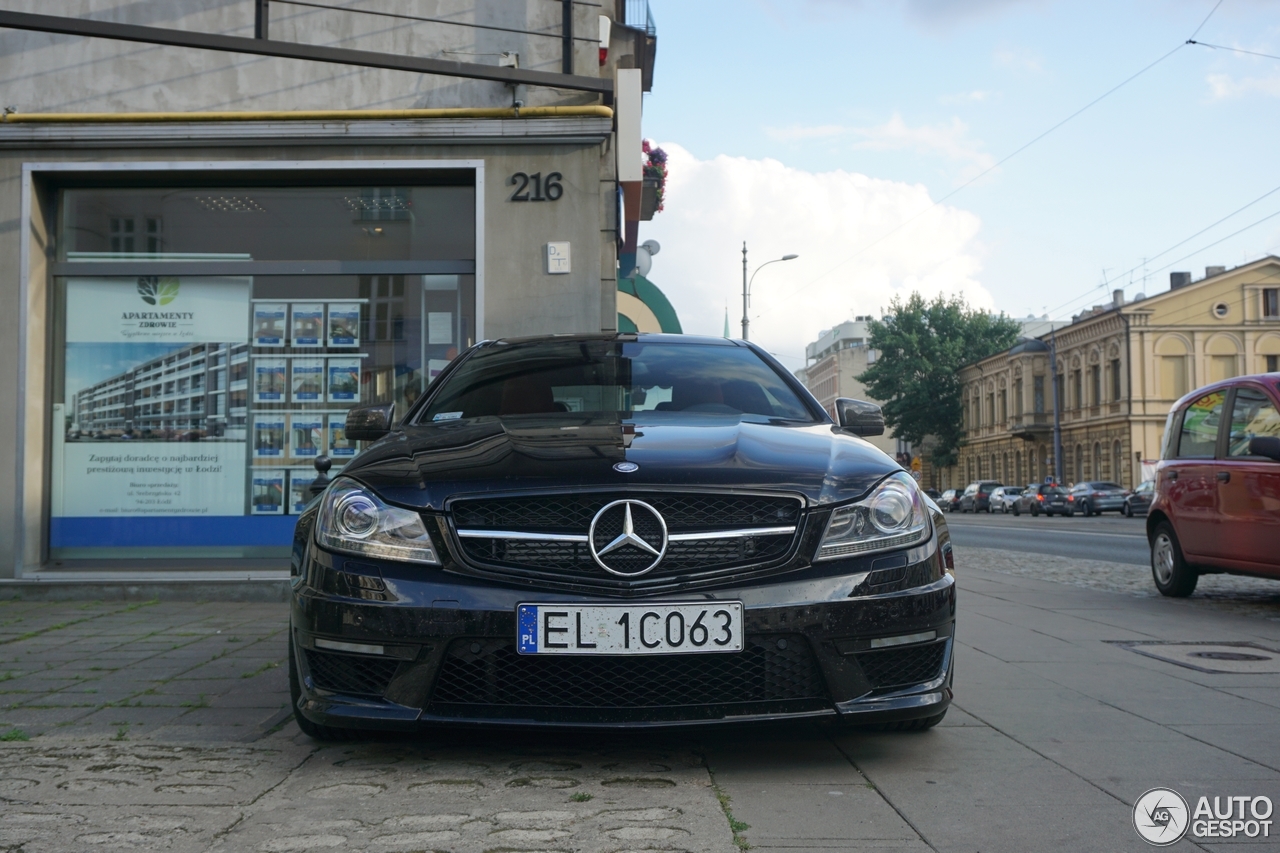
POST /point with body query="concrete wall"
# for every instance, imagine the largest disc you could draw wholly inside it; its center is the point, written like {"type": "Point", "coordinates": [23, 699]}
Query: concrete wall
{"type": "Point", "coordinates": [50, 73]}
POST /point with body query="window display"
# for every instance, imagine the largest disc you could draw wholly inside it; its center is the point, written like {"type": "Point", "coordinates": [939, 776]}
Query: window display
{"type": "Point", "coordinates": [191, 408]}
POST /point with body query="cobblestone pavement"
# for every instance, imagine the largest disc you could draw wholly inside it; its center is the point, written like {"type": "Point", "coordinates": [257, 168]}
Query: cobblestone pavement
{"type": "Point", "coordinates": [165, 726]}
{"type": "Point", "coordinates": [1225, 593]}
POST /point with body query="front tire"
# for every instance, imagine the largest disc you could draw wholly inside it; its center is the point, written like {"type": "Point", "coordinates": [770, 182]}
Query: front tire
{"type": "Point", "coordinates": [1086, 510]}
{"type": "Point", "coordinates": [1016, 511]}
{"type": "Point", "coordinates": [1035, 510]}
{"type": "Point", "coordinates": [315, 731]}
{"type": "Point", "coordinates": [1127, 512]}
{"type": "Point", "coordinates": [1169, 569]}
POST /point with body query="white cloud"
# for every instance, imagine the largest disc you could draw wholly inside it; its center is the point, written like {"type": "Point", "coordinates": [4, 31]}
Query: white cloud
{"type": "Point", "coordinates": [950, 140]}
{"type": "Point", "coordinates": [825, 217]}
{"type": "Point", "coordinates": [1225, 86]}
{"type": "Point", "coordinates": [798, 133]}
{"type": "Point", "coordinates": [1019, 60]}
{"type": "Point", "coordinates": [975, 97]}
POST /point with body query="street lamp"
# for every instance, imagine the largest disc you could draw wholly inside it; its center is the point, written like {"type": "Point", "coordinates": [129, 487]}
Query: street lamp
{"type": "Point", "coordinates": [746, 283]}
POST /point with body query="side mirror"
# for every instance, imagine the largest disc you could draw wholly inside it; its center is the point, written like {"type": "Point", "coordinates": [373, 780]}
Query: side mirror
{"type": "Point", "coordinates": [1265, 445]}
{"type": "Point", "coordinates": [370, 423]}
{"type": "Point", "coordinates": [859, 417]}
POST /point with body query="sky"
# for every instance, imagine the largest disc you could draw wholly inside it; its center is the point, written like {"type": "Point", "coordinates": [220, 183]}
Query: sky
{"type": "Point", "coordinates": [851, 132]}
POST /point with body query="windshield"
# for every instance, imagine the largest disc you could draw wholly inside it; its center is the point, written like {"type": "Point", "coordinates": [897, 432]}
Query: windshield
{"type": "Point", "coordinates": [614, 377]}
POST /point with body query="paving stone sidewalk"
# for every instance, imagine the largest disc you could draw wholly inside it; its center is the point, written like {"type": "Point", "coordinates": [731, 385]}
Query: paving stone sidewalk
{"type": "Point", "coordinates": [1221, 593]}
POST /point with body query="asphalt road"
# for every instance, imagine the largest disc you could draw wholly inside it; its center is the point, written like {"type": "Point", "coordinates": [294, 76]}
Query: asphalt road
{"type": "Point", "coordinates": [1111, 538]}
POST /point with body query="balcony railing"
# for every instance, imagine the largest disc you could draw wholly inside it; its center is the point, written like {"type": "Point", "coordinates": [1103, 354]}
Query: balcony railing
{"type": "Point", "coordinates": [637, 15]}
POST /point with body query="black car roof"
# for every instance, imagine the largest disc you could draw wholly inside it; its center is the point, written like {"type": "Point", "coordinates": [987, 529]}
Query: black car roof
{"type": "Point", "coordinates": [626, 337]}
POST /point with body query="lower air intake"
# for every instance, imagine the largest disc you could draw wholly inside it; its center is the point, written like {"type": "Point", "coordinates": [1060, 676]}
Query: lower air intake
{"type": "Point", "coordinates": [498, 682]}
{"type": "Point", "coordinates": [351, 674]}
{"type": "Point", "coordinates": [904, 666]}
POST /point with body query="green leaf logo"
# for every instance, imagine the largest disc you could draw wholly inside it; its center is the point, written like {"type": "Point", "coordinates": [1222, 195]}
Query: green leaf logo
{"type": "Point", "coordinates": [167, 291]}
{"type": "Point", "coordinates": [157, 291]}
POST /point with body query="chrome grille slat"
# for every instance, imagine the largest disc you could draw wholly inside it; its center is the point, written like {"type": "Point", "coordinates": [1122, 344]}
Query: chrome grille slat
{"type": "Point", "coordinates": [546, 535]}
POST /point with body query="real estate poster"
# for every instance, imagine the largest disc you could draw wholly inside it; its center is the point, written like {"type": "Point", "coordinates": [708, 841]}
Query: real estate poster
{"type": "Point", "coordinates": [268, 324]}
{"type": "Point", "coordinates": [339, 446]}
{"type": "Point", "coordinates": [308, 379]}
{"type": "Point", "coordinates": [306, 435]}
{"type": "Point", "coordinates": [120, 333]}
{"type": "Point", "coordinates": [266, 493]}
{"type": "Point", "coordinates": [307, 325]}
{"type": "Point", "coordinates": [268, 380]}
{"type": "Point", "coordinates": [300, 480]}
{"type": "Point", "coordinates": [344, 380]}
{"type": "Point", "coordinates": [344, 324]}
{"type": "Point", "coordinates": [268, 437]}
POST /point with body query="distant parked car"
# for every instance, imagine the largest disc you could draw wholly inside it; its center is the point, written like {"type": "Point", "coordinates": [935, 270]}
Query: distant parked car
{"type": "Point", "coordinates": [933, 494]}
{"type": "Point", "coordinates": [1002, 498]}
{"type": "Point", "coordinates": [1139, 500]}
{"type": "Point", "coordinates": [950, 500]}
{"type": "Point", "coordinates": [977, 496]}
{"type": "Point", "coordinates": [1217, 493]}
{"type": "Point", "coordinates": [1097, 496]}
{"type": "Point", "coordinates": [1043, 498]}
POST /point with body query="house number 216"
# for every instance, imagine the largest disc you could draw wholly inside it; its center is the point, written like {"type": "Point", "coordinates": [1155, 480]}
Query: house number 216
{"type": "Point", "coordinates": [548, 189]}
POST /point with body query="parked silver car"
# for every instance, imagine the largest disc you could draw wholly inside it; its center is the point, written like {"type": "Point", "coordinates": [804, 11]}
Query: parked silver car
{"type": "Point", "coordinates": [1002, 498]}
{"type": "Point", "coordinates": [1098, 496]}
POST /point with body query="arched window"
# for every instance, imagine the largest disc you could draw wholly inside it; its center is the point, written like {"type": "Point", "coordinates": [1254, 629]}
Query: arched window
{"type": "Point", "coordinates": [1097, 460]}
{"type": "Point", "coordinates": [1079, 460]}
{"type": "Point", "coordinates": [1017, 469]}
{"type": "Point", "coordinates": [1117, 462]}
{"type": "Point", "coordinates": [995, 470]}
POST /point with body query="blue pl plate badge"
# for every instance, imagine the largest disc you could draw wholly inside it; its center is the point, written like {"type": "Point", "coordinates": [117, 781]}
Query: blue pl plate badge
{"type": "Point", "coordinates": [527, 629]}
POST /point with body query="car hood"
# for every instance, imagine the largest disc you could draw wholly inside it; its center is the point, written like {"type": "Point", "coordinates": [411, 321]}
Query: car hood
{"type": "Point", "coordinates": [425, 466]}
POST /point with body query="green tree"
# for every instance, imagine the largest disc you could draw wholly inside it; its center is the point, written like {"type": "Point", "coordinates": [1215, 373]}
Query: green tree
{"type": "Point", "coordinates": [922, 346]}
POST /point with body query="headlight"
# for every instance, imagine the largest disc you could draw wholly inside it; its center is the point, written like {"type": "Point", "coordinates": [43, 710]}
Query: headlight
{"type": "Point", "coordinates": [892, 516]}
{"type": "Point", "coordinates": [354, 521]}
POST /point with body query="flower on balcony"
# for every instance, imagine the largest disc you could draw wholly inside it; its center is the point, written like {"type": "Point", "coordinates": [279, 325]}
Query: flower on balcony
{"type": "Point", "coordinates": [655, 168]}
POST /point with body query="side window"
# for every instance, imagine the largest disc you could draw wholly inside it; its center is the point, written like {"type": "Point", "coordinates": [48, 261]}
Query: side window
{"type": "Point", "coordinates": [1198, 438]}
{"type": "Point", "coordinates": [1253, 414]}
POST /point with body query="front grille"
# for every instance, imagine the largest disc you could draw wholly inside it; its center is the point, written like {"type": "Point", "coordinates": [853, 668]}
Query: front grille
{"type": "Point", "coordinates": [904, 666]}
{"type": "Point", "coordinates": [352, 674]}
{"type": "Point", "coordinates": [572, 514]}
{"type": "Point", "coordinates": [498, 682]}
{"type": "Point", "coordinates": [686, 513]}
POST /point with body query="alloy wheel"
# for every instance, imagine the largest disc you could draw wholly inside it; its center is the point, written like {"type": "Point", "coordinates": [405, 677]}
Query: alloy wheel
{"type": "Point", "coordinates": [1162, 558]}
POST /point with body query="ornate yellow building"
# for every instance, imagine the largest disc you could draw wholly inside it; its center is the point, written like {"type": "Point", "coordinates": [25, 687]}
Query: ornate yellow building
{"type": "Point", "coordinates": [1119, 370]}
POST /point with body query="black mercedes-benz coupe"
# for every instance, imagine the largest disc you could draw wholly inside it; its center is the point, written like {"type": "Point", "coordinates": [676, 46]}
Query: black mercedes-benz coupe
{"type": "Point", "coordinates": [621, 530]}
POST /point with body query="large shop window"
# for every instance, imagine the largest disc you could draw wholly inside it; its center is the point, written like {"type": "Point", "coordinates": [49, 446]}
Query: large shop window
{"type": "Point", "coordinates": [204, 366]}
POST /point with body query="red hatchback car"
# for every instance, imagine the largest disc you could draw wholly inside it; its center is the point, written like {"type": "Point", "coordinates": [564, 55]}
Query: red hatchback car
{"type": "Point", "coordinates": [1217, 494]}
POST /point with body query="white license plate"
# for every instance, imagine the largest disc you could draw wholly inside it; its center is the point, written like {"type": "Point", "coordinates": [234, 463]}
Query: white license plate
{"type": "Point", "coordinates": [624, 629]}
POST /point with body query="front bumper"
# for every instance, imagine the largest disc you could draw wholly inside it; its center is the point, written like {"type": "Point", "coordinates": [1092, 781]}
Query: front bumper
{"type": "Point", "coordinates": [446, 645]}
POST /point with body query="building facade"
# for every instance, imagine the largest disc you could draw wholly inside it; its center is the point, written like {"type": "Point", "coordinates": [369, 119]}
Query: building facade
{"type": "Point", "coordinates": [212, 254]}
{"type": "Point", "coordinates": [1117, 372]}
{"type": "Point", "coordinates": [833, 364]}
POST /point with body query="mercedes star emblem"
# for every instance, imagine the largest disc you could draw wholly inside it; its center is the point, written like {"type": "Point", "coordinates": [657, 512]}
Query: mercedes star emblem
{"type": "Point", "coordinates": [627, 538]}
{"type": "Point", "coordinates": [625, 467]}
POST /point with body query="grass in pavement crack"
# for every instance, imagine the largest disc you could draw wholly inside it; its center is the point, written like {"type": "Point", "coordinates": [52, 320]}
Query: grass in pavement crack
{"type": "Point", "coordinates": [14, 735]}
{"type": "Point", "coordinates": [735, 825]}
{"type": "Point", "coordinates": [266, 666]}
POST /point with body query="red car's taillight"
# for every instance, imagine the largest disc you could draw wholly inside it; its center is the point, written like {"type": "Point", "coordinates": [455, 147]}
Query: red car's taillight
{"type": "Point", "coordinates": [1040, 498]}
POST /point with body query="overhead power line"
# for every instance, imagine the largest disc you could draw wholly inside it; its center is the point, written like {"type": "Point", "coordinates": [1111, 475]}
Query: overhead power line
{"type": "Point", "coordinates": [1011, 155]}
{"type": "Point", "coordinates": [990, 168]}
{"type": "Point", "coordinates": [1147, 260]}
{"type": "Point", "coordinates": [1232, 49]}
